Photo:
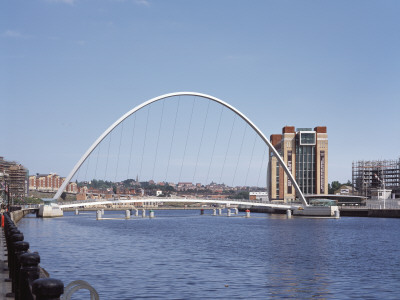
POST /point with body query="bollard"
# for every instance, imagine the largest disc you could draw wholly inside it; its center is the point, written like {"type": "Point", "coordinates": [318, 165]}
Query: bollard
{"type": "Point", "coordinates": [229, 212]}
{"type": "Point", "coordinates": [143, 213]}
{"type": "Point", "coordinates": [337, 214]}
{"type": "Point", "coordinates": [151, 215]}
{"type": "Point", "coordinates": [219, 211]}
{"type": "Point", "coordinates": [288, 214]}
{"type": "Point", "coordinates": [235, 211]}
{"type": "Point", "coordinates": [11, 252]}
{"type": "Point", "coordinates": [76, 212]}
{"type": "Point", "coordinates": [127, 214]}
{"type": "Point", "coordinates": [136, 213]}
{"type": "Point", "coordinates": [28, 273]}
{"type": "Point", "coordinates": [201, 211]}
{"type": "Point", "coordinates": [13, 230]}
{"type": "Point", "coordinates": [247, 213]}
{"type": "Point", "coordinates": [102, 211]}
{"type": "Point", "coordinates": [20, 248]}
{"type": "Point", "coordinates": [214, 212]}
{"type": "Point", "coordinates": [47, 288]}
{"type": "Point", "coordinates": [98, 215]}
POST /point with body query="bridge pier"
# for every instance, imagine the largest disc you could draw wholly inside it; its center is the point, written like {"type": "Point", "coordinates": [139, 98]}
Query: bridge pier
{"type": "Point", "coordinates": [50, 210]}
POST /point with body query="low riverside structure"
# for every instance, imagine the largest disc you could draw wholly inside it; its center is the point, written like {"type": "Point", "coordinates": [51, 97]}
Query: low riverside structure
{"type": "Point", "coordinates": [50, 210]}
{"type": "Point", "coordinates": [17, 215]}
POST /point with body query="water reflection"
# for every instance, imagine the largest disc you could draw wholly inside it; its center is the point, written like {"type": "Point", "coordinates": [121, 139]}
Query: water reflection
{"type": "Point", "coordinates": [183, 255]}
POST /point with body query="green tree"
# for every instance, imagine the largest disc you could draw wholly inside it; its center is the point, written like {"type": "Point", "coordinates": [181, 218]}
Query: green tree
{"type": "Point", "coordinates": [332, 187]}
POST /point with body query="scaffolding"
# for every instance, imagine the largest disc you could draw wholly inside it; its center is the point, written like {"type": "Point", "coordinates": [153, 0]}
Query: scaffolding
{"type": "Point", "coordinates": [375, 174]}
{"type": "Point", "coordinates": [16, 176]}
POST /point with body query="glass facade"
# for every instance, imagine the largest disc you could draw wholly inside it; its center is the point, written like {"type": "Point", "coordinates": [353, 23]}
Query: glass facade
{"type": "Point", "coordinates": [307, 138]}
{"type": "Point", "coordinates": [305, 168]}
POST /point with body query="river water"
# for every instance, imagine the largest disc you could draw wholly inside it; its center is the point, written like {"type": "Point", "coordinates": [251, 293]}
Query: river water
{"type": "Point", "coordinates": [181, 254]}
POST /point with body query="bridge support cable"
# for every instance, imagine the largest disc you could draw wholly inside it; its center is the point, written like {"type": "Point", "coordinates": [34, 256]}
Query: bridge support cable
{"type": "Point", "coordinates": [201, 140]}
{"type": "Point", "coordinates": [172, 138]}
{"type": "Point", "coordinates": [87, 167]}
{"type": "Point", "coordinates": [108, 153]}
{"type": "Point", "coordinates": [144, 142]}
{"type": "Point", "coordinates": [130, 151]}
{"type": "Point", "coordinates": [261, 166]}
{"type": "Point", "coordinates": [227, 148]}
{"type": "Point", "coordinates": [78, 174]}
{"type": "Point", "coordinates": [119, 151]}
{"type": "Point", "coordinates": [208, 97]}
{"type": "Point", "coordinates": [240, 152]}
{"type": "Point", "coordinates": [158, 139]}
{"type": "Point", "coordinates": [187, 138]}
{"type": "Point", "coordinates": [97, 161]}
{"type": "Point", "coordinates": [251, 160]}
{"type": "Point", "coordinates": [215, 142]}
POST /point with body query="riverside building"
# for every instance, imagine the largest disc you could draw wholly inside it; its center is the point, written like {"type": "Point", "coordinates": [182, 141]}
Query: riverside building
{"type": "Point", "coordinates": [14, 177]}
{"type": "Point", "coordinates": [305, 152]}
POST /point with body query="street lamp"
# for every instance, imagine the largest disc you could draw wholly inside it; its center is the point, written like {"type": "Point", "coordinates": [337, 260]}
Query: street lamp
{"type": "Point", "coordinates": [384, 190]}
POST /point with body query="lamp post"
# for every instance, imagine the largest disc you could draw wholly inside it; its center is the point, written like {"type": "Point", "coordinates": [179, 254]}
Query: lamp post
{"type": "Point", "coordinates": [384, 190]}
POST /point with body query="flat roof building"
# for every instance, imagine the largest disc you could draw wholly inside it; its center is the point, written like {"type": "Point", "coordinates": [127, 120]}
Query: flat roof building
{"type": "Point", "coordinates": [305, 152]}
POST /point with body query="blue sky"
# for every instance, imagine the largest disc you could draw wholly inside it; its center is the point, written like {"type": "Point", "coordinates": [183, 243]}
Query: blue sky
{"type": "Point", "coordinates": [70, 68]}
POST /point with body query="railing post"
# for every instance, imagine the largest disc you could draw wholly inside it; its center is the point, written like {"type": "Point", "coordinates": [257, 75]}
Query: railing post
{"type": "Point", "coordinates": [11, 253]}
{"type": "Point", "coordinates": [20, 248]}
{"type": "Point", "coordinates": [28, 273]}
{"type": "Point", "coordinates": [47, 289]}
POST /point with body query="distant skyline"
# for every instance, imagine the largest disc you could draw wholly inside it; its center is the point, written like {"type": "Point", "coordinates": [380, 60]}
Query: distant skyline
{"type": "Point", "coordinates": [70, 68]}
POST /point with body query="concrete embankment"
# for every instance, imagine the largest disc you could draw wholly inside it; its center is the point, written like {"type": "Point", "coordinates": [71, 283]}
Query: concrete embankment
{"type": "Point", "coordinates": [17, 215]}
{"type": "Point", "coordinates": [369, 212]}
{"type": "Point", "coordinates": [345, 211]}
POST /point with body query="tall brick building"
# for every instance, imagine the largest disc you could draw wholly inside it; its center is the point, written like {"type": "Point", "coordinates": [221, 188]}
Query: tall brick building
{"type": "Point", "coordinates": [305, 152]}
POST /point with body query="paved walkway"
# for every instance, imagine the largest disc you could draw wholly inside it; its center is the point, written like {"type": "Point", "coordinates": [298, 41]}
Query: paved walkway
{"type": "Point", "coordinates": [5, 287]}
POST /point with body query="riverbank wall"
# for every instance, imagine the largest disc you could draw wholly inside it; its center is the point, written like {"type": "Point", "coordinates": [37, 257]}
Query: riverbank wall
{"type": "Point", "coordinates": [369, 212]}
{"type": "Point", "coordinates": [345, 211]}
{"type": "Point", "coordinates": [17, 215]}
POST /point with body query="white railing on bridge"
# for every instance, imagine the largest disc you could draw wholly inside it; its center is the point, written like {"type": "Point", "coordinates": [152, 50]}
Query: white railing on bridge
{"type": "Point", "coordinates": [245, 202]}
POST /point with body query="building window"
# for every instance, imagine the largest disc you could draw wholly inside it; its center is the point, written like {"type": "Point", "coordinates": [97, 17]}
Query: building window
{"type": "Point", "coordinates": [305, 168]}
{"type": "Point", "coordinates": [307, 138]}
{"type": "Point", "coordinates": [277, 180]}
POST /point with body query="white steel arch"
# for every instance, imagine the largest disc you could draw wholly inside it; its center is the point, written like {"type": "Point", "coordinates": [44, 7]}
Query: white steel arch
{"type": "Point", "coordinates": [132, 111]}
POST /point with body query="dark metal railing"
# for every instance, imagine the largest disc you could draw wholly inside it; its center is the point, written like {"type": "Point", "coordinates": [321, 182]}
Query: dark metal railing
{"type": "Point", "coordinates": [29, 280]}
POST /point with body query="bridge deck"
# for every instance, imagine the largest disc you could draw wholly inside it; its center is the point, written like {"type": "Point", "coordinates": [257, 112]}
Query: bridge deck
{"type": "Point", "coordinates": [178, 200]}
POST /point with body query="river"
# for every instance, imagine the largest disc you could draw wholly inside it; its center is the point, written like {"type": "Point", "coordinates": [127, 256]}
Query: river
{"type": "Point", "coordinates": [181, 254]}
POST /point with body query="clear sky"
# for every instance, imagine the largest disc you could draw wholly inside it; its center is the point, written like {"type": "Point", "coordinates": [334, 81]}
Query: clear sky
{"type": "Point", "coordinates": [70, 68]}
